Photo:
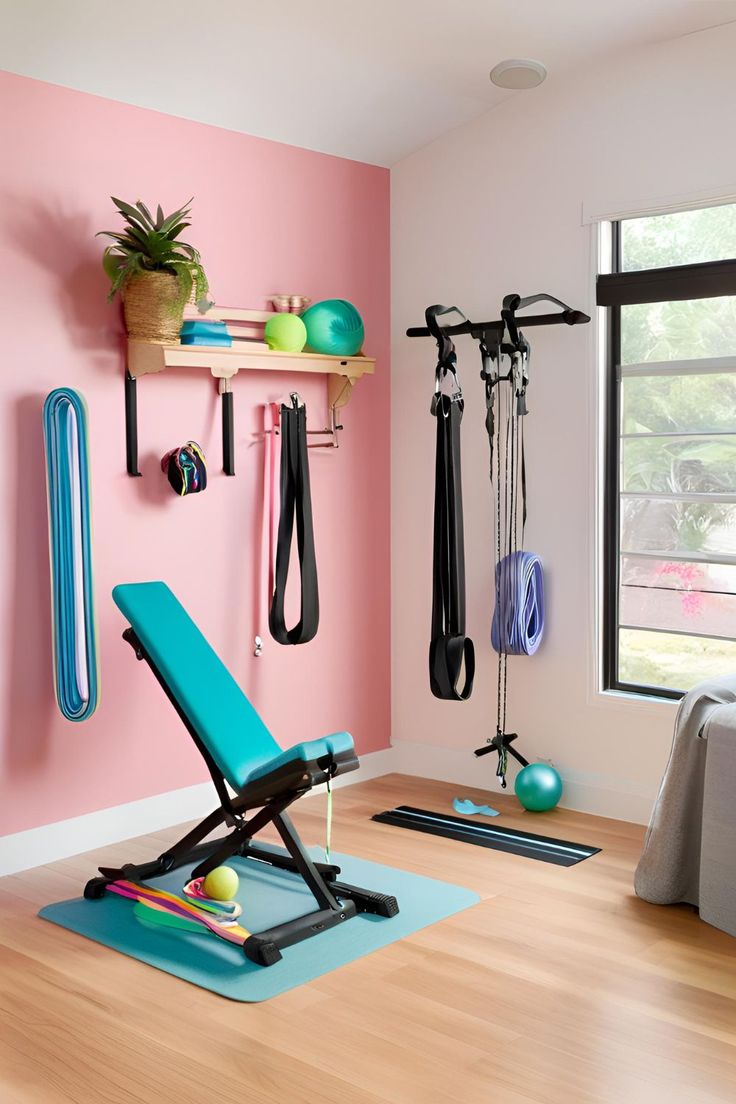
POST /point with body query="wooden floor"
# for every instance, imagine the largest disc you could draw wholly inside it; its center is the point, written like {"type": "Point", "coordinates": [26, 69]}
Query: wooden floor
{"type": "Point", "coordinates": [559, 986]}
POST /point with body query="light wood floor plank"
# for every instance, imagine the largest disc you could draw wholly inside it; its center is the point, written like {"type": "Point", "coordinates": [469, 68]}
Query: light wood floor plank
{"type": "Point", "coordinates": [560, 987]}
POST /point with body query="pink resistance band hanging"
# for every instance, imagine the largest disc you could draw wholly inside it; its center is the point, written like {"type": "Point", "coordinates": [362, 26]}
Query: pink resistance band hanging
{"type": "Point", "coordinates": [271, 420]}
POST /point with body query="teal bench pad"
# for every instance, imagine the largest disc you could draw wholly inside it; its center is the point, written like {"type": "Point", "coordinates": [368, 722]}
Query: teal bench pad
{"type": "Point", "coordinates": [218, 710]}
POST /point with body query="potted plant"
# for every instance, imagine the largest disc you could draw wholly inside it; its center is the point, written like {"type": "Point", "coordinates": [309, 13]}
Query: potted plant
{"type": "Point", "coordinates": [155, 273]}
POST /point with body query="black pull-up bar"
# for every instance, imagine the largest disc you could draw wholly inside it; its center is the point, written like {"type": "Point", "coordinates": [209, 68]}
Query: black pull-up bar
{"type": "Point", "coordinates": [567, 317]}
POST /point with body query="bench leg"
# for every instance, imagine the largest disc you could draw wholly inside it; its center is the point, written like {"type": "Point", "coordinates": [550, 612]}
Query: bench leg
{"type": "Point", "coordinates": [278, 857]}
{"type": "Point", "coordinates": [305, 864]}
{"type": "Point", "coordinates": [230, 845]}
{"type": "Point", "coordinates": [176, 856]}
{"type": "Point", "coordinates": [336, 901]}
{"type": "Point", "coordinates": [265, 947]}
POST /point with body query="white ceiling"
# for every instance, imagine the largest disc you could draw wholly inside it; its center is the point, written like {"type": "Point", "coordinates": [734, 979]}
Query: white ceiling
{"type": "Point", "coordinates": [370, 80]}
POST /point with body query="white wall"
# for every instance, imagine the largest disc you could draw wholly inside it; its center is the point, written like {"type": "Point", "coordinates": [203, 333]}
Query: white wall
{"type": "Point", "coordinates": [494, 207]}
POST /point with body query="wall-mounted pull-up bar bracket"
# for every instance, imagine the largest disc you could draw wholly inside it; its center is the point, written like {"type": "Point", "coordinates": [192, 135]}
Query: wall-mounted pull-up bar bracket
{"type": "Point", "coordinates": [224, 363]}
{"type": "Point", "coordinates": [488, 330]}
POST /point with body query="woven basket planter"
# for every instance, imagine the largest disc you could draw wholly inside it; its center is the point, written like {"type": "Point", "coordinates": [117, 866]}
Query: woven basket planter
{"type": "Point", "coordinates": [153, 307]}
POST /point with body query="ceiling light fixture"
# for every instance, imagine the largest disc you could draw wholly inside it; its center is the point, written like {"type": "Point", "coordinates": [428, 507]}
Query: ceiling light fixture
{"type": "Point", "coordinates": [518, 73]}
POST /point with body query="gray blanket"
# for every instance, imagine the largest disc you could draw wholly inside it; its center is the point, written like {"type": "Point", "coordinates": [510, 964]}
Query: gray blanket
{"type": "Point", "coordinates": [690, 847]}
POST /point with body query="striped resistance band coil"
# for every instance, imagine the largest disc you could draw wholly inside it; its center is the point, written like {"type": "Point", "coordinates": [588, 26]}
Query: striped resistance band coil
{"type": "Point", "coordinates": [74, 634]}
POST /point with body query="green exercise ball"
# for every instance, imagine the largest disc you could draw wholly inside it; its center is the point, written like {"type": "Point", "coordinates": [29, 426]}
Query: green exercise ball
{"type": "Point", "coordinates": [538, 787]}
{"type": "Point", "coordinates": [334, 327]}
{"type": "Point", "coordinates": [285, 333]}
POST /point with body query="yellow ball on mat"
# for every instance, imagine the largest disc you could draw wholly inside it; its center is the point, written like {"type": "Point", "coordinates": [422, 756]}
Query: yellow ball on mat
{"type": "Point", "coordinates": [221, 884]}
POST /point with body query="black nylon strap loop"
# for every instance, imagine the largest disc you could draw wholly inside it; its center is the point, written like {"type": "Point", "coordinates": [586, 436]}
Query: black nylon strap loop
{"type": "Point", "coordinates": [450, 650]}
{"type": "Point", "coordinates": [296, 502]}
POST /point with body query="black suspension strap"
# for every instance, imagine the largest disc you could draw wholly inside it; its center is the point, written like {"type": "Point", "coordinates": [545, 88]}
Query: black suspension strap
{"type": "Point", "coordinates": [520, 381]}
{"type": "Point", "coordinates": [296, 502]}
{"type": "Point", "coordinates": [451, 653]}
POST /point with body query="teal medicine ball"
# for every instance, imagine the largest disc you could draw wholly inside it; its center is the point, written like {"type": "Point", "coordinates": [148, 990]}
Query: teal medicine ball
{"type": "Point", "coordinates": [334, 327]}
{"type": "Point", "coordinates": [538, 787]}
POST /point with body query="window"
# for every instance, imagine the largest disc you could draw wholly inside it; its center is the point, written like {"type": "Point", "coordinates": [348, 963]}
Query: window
{"type": "Point", "coordinates": [669, 595]}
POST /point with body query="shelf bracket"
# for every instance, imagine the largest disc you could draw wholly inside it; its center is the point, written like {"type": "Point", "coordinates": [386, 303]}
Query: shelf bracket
{"type": "Point", "coordinates": [339, 391]}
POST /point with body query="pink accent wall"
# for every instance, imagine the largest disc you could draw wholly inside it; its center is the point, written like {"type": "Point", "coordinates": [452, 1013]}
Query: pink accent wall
{"type": "Point", "coordinates": [267, 218]}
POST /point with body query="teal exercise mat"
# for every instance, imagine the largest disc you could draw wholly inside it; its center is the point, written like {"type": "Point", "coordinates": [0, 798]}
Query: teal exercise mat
{"type": "Point", "coordinates": [268, 897]}
{"type": "Point", "coordinates": [74, 632]}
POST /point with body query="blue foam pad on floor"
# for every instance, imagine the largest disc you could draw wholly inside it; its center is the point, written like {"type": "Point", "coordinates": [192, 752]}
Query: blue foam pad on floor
{"type": "Point", "coordinates": [268, 897]}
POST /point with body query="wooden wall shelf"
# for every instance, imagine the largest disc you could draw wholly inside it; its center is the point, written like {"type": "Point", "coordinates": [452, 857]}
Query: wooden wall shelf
{"type": "Point", "coordinates": [145, 358]}
{"type": "Point", "coordinates": [247, 353]}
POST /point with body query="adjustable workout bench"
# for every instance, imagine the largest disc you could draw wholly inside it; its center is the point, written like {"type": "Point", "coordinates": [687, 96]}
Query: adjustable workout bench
{"type": "Point", "coordinates": [241, 756]}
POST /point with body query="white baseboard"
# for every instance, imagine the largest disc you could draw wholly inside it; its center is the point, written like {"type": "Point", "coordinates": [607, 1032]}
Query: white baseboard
{"type": "Point", "coordinates": [373, 765]}
{"type": "Point", "coordinates": [601, 795]}
{"type": "Point", "coordinates": [51, 842]}
{"type": "Point", "coordinates": [60, 840]}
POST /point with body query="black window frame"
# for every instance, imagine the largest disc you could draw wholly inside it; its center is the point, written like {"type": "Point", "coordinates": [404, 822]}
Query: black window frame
{"type": "Point", "coordinates": [704, 280]}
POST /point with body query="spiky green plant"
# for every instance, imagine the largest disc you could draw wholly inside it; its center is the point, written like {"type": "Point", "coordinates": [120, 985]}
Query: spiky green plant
{"type": "Point", "coordinates": [149, 244]}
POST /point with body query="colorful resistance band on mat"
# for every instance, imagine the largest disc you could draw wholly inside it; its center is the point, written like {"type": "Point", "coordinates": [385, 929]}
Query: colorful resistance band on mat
{"type": "Point", "coordinates": [226, 911]}
{"type": "Point", "coordinates": [159, 899]}
{"type": "Point", "coordinates": [76, 672]}
{"type": "Point", "coordinates": [518, 618]}
{"type": "Point", "coordinates": [154, 917]}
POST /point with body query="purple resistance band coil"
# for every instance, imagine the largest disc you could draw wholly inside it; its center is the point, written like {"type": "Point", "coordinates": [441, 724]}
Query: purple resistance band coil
{"type": "Point", "coordinates": [518, 619]}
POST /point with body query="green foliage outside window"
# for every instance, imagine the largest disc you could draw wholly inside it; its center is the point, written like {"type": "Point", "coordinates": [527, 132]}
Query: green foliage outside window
{"type": "Point", "coordinates": [697, 403]}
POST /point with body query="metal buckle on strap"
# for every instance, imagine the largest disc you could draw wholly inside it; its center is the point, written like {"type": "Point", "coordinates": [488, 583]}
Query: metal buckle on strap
{"type": "Point", "coordinates": [446, 366]}
{"type": "Point", "coordinates": [520, 375]}
{"type": "Point", "coordinates": [489, 372]}
{"type": "Point", "coordinates": [517, 370]}
{"type": "Point", "coordinates": [455, 397]}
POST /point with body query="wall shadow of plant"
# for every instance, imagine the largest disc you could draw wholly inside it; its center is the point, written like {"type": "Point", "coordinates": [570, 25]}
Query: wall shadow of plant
{"type": "Point", "coordinates": [62, 243]}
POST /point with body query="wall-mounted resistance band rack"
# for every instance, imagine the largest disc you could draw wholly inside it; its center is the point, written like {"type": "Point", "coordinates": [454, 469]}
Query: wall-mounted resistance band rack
{"type": "Point", "coordinates": [247, 353]}
{"type": "Point", "coordinates": [451, 652]}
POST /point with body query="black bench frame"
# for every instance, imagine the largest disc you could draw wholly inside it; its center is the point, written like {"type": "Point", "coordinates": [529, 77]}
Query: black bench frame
{"type": "Point", "coordinates": [270, 796]}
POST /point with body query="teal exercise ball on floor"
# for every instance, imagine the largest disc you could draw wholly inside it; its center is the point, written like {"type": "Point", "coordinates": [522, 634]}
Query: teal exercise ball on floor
{"type": "Point", "coordinates": [334, 328]}
{"type": "Point", "coordinates": [538, 787]}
